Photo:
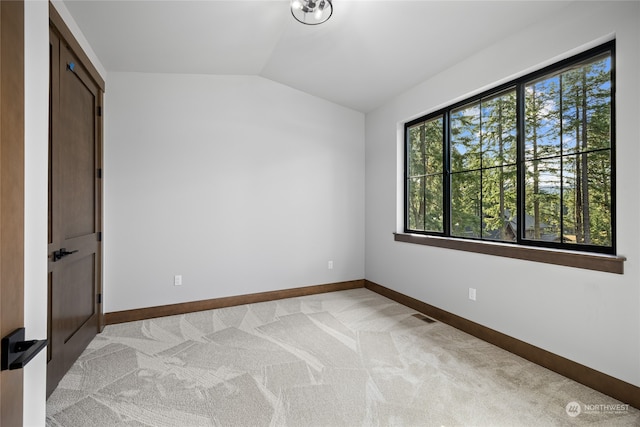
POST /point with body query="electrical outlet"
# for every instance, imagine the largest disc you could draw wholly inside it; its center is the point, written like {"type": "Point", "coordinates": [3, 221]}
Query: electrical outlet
{"type": "Point", "coordinates": [472, 294]}
{"type": "Point", "coordinates": [177, 280]}
{"type": "Point", "coordinates": [330, 265]}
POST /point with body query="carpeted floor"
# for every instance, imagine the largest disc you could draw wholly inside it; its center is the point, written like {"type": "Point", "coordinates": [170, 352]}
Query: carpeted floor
{"type": "Point", "coordinates": [350, 358]}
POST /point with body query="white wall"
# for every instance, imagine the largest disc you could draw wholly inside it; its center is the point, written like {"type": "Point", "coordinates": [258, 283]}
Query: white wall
{"type": "Point", "coordinates": [592, 318]}
{"type": "Point", "coordinates": [64, 13]}
{"type": "Point", "coordinates": [237, 183]}
{"type": "Point", "coordinates": [36, 200]}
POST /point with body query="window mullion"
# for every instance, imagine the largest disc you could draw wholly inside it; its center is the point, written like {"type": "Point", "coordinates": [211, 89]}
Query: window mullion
{"type": "Point", "coordinates": [562, 154]}
{"type": "Point", "coordinates": [407, 159]}
{"type": "Point", "coordinates": [520, 164]}
{"type": "Point", "coordinates": [480, 142]}
{"type": "Point", "coordinates": [446, 166]}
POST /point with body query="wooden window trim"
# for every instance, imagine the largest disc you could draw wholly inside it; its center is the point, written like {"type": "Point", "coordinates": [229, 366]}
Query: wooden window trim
{"type": "Point", "coordinates": [585, 260]}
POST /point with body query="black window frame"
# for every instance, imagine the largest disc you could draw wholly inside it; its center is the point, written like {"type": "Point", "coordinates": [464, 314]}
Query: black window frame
{"type": "Point", "coordinates": [519, 85]}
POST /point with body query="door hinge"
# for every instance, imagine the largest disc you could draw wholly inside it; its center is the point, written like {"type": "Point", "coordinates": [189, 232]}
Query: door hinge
{"type": "Point", "coordinates": [100, 173]}
{"type": "Point", "coordinates": [99, 236]}
{"type": "Point", "coordinates": [99, 298]}
{"type": "Point", "coordinates": [99, 111]}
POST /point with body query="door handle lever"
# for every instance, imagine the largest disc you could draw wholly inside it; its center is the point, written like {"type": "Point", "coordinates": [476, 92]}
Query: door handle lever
{"type": "Point", "coordinates": [16, 352]}
{"type": "Point", "coordinates": [59, 254]}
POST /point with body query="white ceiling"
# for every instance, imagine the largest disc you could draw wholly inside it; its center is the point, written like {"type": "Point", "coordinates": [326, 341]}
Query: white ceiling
{"type": "Point", "coordinates": [368, 52]}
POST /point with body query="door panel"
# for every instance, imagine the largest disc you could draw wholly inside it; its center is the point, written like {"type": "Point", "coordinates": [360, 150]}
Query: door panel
{"type": "Point", "coordinates": [72, 280]}
{"type": "Point", "coordinates": [77, 159]}
{"type": "Point", "coordinates": [74, 248]}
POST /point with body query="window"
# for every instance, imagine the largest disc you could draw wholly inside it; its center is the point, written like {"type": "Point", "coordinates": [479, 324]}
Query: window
{"type": "Point", "coordinates": [530, 162]}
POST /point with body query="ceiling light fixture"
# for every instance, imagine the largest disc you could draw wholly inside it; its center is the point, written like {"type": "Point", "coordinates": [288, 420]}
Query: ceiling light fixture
{"type": "Point", "coordinates": [311, 12]}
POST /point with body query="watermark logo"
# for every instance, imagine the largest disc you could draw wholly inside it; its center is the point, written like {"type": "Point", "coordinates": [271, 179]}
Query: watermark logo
{"type": "Point", "coordinates": [573, 409]}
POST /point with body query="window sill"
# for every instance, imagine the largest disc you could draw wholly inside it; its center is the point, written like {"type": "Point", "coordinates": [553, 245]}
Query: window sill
{"type": "Point", "coordinates": [589, 261]}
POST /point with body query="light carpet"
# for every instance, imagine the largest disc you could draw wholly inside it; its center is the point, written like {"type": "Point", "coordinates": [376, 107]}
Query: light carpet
{"type": "Point", "coordinates": [349, 358]}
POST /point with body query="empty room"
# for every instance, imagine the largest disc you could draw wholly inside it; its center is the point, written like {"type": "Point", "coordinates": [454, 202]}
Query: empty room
{"type": "Point", "coordinates": [314, 212]}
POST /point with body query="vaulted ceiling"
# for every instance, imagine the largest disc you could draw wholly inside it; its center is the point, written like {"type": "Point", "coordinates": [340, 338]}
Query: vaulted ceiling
{"type": "Point", "coordinates": [367, 53]}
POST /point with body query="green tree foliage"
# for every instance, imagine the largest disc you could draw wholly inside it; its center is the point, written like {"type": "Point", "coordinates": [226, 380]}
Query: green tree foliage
{"type": "Point", "coordinates": [466, 161]}
{"type": "Point", "coordinates": [568, 158]}
{"type": "Point", "coordinates": [426, 176]}
{"type": "Point", "coordinates": [542, 165]}
{"type": "Point", "coordinates": [566, 162]}
{"type": "Point", "coordinates": [483, 167]}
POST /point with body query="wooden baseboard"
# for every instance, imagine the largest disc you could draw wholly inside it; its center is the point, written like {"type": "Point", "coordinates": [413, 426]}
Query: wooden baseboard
{"type": "Point", "coordinates": [618, 389]}
{"type": "Point", "coordinates": [190, 307]}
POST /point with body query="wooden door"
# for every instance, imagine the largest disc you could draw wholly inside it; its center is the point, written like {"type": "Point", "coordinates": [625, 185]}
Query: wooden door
{"type": "Point", "coordinates": [74, 210]}
{"type": "Point", "coordinates": [11, 197]}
